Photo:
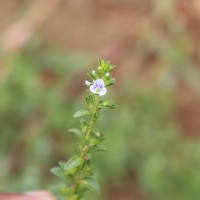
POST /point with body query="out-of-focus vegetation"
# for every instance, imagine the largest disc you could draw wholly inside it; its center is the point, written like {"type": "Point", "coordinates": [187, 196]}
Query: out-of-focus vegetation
{"type": "Point", "coordinates": [149, 158]}
{"type": "Point", "coordinates": [37, 100]}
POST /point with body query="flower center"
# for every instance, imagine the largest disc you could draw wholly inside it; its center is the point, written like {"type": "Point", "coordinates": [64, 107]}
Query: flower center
{"type": "Point", "coordinates": [98, 89]}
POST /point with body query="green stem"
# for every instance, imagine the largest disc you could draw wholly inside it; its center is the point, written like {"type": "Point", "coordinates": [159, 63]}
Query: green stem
{"type": "Point", "coordinates": [87, 138]}
{"type": "Point", "coordinates": [92, 119]}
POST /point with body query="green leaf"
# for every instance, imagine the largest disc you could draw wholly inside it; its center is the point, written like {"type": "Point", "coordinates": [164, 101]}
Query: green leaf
{"type": "Point", "coordinates": [89, 101]}
{"type": "Point", "coordinates": [101, 62]}
{"type": "Point", "coordinates": [97, 148]}
{"type": "Point", "coordinates": [81, 113]}
{"type": "Point", "coordinates": [96, 132]}
{"type": "Point", "coordinates": [73, 162]}
{"type": "Point", "coordinates": [61, 164]}
{"type": "Point", "coordinates": [110, 82]}
{"type": "Point", "coordinates": [107, 104]}
{"type": "Point", "coordinates": [91, 183]}
{"type": "Point", "coordinates": [93, 76]}
{"type": "Point", "coordinates": [111, 67]}
{"type": "Point", "coordinates": [98, 140]}
{"type": "Point", "coordinates": [58, 172]}
{"type": "Point", "coordinates": [77, 132]}
{"type": "Point", "coordinates": [100, 148]}
{"type": "Point", "coordinates": [106, 65]}
{"type": "Point", "coordinates": [84, 125]}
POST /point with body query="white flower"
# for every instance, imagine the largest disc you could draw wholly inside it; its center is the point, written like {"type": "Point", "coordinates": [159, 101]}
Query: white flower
{"type": "Point", "coordinates": [98, 87]}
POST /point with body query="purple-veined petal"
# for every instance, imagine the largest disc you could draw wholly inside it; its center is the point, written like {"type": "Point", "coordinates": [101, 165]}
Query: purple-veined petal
{"type": "Point", "coordinates": [93, 89]}
{"type": "Point", "coordinates": [103, 91]}
{"type": "Point", "coordinates": [99, 83]}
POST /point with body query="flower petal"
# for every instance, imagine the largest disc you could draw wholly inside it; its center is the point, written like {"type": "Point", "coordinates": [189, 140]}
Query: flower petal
{"type": "Point", "coordinates": [99, 83]}
{"type": "Point", "coordinates": [93, 89]}
{"type": "Point", "coordinates": [103, 91]}
{"type": "Point", "coordinates": [87, 82]}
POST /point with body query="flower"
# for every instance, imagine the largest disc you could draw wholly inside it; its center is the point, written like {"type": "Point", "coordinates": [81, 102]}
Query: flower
{"type": "Point", "coordinates": [87, 83]}
{"type": "Point", "coordinates": [98, 87]}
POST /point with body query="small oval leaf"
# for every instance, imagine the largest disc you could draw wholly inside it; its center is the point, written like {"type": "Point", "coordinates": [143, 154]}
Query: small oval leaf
{"type": "Point", "coordinates": [89, 101]}
{"type": "Point", "coordinates": [100, 148]}
{"type": "Point", "coordinates": [77, 132]}
{"type": "Point", "coordinates": [91, 183]}
{"type": "Point", "coordinates": [58, 172]}
{"type": "Point", "coordinates": [73, 162]}
{"type": "Point", "coordinates": [107, 104]}
{"type": "Point", "coordinates": [81, 113]}
{"type": "Point", "coordinates": [61, 164]}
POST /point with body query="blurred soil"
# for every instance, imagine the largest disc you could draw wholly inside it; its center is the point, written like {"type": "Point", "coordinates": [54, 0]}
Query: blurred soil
{"type": "Point", "coordinates": [127, 191]}
{"type": "Point", "coordinates": [112, 30]}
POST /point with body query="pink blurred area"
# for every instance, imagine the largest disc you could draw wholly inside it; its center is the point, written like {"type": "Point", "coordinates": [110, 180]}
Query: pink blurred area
{"type": "Point", "coordinates": [34, 195]}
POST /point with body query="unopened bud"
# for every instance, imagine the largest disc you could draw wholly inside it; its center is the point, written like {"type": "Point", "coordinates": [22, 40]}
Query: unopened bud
{"type": "Point", "coordinates": [85, 148]}
{"type": "Point", "coordinates": [98, 134]}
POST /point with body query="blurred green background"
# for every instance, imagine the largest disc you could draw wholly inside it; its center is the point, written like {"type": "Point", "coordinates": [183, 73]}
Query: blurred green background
{"type": "Point", "coordinates": [47, 47]}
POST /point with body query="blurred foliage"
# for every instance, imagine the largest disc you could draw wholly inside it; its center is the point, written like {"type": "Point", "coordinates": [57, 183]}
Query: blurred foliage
{"type": "Point", "coordinates": [37, 100]}
{"type": "Point", "coordinates": [36, 106]}
{"type": "Point", "coordinates": [149, 148]}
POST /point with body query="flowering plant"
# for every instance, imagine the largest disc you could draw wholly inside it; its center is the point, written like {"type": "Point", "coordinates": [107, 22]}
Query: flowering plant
{"type": "Point", "coordinates": [77, 172]}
